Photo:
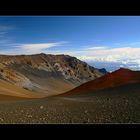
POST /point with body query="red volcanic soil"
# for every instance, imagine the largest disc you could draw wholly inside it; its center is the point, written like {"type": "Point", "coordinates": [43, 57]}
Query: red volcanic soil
{"type": "Point", "coordinates": [119, 77]}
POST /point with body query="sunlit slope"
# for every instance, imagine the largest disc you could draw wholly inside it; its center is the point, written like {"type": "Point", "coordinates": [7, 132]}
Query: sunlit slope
{"type": "Point", "coordinates": [45, 73]}
{"type": "Point", "coordinates": [7, 88]}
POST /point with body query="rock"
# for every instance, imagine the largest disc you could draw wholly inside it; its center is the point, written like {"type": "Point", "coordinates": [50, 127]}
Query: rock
{"type": "Point", "coordinates": [1, 119]}
{"type": "Point", "coordinates": [86, 111]}
{"type": "Point", "coordinates": [88, 120]}
{"type": "Point", "coordinates": [29, 116]}
{"type": "Point", "coordinates": [41, 107]}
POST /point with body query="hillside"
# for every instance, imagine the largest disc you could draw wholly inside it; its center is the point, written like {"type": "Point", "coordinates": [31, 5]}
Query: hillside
{"type": "Point", "coordinates": [45, 73]}
{"type": "Point", "coordinates": [117, 78]}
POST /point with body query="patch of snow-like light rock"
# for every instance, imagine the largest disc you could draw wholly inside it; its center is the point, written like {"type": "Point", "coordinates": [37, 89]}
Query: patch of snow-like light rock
{"type": "Point", "coordinates": [19, 80]}
{"type": "Point", "coordinates": [58, 67]}
{"type": "Point", "coordinates": [25, 82]}
{"type": "Point", "coordinates": [44, 67]}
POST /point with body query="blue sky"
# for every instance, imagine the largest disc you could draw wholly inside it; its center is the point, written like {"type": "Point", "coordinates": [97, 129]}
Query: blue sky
{"type": "Point", "coordinates": [114, 39]}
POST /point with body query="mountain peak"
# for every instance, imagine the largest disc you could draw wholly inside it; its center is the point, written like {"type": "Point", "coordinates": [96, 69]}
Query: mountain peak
{"type": "Point", "coordinates": [42, 54]}
{"type": "Point", "coordinates": [124, 69]}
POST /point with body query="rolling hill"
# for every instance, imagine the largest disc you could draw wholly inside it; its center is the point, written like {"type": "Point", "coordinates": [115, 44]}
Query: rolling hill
{"type": "Point", "coordinates": [111, 80]}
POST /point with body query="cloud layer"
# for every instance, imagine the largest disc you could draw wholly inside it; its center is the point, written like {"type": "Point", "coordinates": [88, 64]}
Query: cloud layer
{"type": "Point", "coordinates": [124, 56]}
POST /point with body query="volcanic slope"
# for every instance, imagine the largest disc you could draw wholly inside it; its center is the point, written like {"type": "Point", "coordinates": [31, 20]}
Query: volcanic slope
{"type": "Point", "coordinates": [44, 73]}
{"type": "Point", "coordinates": [114, 98]}
{"type": "Point", "coordinates": [117, 78]}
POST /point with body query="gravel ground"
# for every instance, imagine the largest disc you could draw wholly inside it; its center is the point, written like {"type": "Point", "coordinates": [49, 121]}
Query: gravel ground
{"type": "Point", "coordinates": [74, 109]}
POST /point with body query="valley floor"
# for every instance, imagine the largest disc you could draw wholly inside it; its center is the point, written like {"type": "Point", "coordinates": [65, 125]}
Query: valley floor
{"type": "Point", "coordinates": [89, 108]}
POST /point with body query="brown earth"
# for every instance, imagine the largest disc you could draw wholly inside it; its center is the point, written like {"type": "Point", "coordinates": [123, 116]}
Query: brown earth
{"type": "Point", "coordinates": [112, 105]}
{"type": "Point", "coordinates": [119, 77]}
{"type": "Point", "coordinates": [7, 88]}
{"type": "Point", "coordinates": [114, 98]}
{"type": "Point", "coordinates": [43, 74]}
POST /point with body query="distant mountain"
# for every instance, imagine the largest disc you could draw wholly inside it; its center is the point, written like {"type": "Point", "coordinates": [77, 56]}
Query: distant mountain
{"type": "Point", "coordinates": [45, 73]}
{"type": "Point", "coordinates": [103, 70]}
{"type": "Point", "coordinates": [111, 80]}
{"type": "Point", "coordinates": [112, 66]}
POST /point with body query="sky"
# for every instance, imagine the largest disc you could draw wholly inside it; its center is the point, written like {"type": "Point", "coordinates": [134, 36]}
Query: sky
{"type": "Point", "coordinates": [102, 41]}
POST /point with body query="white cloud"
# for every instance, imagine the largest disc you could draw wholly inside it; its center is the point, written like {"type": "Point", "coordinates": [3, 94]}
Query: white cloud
{"type": "Point", "coordinates": [137, 66]}
{"type": "Point", "coordinates": [121, 66]}
{"type": "Point", "coordinates": [97, 48]}
{"type": "Point", "coordinates": [30, 48]}
{"type": "Point", "coordinates": [125, 55]}
{"type": "Point", "coordinates": [37, 48]}
{"type": "Point", "coordinates": [122, 57]}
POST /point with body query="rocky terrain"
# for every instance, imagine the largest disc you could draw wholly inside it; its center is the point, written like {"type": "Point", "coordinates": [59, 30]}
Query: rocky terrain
{"type": "Point", "coordinates": [115, 100]}
{"type": "Point", "coordinates": [46, 74]}
{"type": "Point", "coordinates": [113, 105]}
{"type": "Point", "coordinates": [88, 95]}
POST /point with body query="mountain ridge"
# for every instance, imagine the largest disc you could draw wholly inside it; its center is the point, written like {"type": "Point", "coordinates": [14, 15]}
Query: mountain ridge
{"type": "Point", "coordinates": [46, 73]}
